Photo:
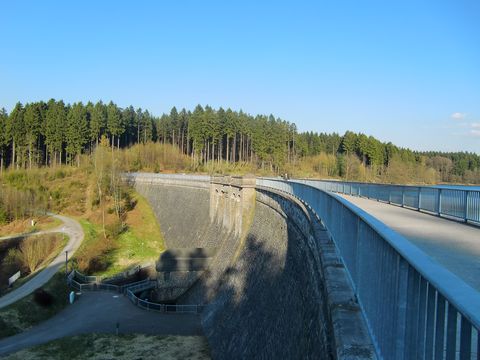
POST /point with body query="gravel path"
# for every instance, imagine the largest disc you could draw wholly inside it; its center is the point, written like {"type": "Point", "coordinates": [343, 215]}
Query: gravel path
{"type": "Point", "coordinates": [74, 231]}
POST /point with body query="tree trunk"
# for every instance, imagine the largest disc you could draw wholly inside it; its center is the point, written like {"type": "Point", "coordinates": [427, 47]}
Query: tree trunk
{"type": "Point", "coordinates": [13, 154]}
{"type": "Point", "coordinates": [213, 150]}
{"type": "Point", "coordinates": [30, 156]}
{"type": "Point", "coordinates": [228, 148]}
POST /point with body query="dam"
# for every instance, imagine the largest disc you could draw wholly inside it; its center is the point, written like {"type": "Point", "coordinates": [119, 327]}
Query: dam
{"type": "Point", "coordinates": [272, 283]}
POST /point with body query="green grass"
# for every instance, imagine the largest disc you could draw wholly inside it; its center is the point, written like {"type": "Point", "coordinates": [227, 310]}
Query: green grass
{"type": "Point", "coordinates": [104, 346]}
{"type": "Point", "coordinates": [25, 313]}
{"type": "Point", "coordinates": [141, 242]}
{"type": "Point", "coordinates": [91, 232]}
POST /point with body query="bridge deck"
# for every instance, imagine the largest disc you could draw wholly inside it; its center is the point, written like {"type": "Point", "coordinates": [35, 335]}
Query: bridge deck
{"type": "Point", "coordinates": [454, 245]}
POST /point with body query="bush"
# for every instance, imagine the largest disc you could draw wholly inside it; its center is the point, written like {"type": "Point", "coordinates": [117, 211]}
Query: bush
{"type": "Point", "coordinates": [3, 216]}
{"type": "Point", "coordinates": [43, 298]}
{"type": "Point", "coordinates": [115, 229]}
{"type": "Point", "coordinates": [34, 250]}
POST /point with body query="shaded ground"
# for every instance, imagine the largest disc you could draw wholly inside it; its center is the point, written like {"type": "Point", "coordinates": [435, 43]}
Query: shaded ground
{"type": "Point", "coordinates": [454, 245]}
{"type": "Point", "coordinates": [100, 312]}
{"type": "Point", "coordinates": [102, 346]}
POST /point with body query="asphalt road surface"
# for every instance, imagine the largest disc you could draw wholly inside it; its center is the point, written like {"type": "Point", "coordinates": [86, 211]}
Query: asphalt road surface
{"type": "Point", "coordinates": [453, 244]}
{"type": "Point", "coordinates": [100, 312]}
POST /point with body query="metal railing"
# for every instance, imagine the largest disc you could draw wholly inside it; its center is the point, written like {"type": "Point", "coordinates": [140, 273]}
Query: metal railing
{"type": "Point", "coordinates": [164, 308]}
{"type": "Point", "coordinates": [181, 179]}
{"type": "Point", "coordinates": [130, 290]}
{"type": "Point", "coordinates": [459, 204]}
{"type": "Point", "coordinates": [414, 308]}
{"type": "Point", "coordinates": [105, 279]}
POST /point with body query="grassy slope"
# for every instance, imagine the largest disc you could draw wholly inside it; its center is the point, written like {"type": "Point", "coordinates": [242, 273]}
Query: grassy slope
{"type": "Point", "coordinates": [53, 255]}
{"type": "Point", "coordinates": [140, 243]}
{"type": "Point", "coordinates": [25, 226]}
{"type": "Point", "coordinates": [25, 313]}
{"type": "Point", "coordinates": [101, 346]}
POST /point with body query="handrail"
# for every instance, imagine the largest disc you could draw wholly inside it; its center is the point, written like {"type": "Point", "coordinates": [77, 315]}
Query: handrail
{"type": "Point", "coordinates": [130, 291]}
{"type": "Point", "coordinates": [149, 177]}
{"type": "Point", "coordinates": [458, 204]}
{"type": "Point", "coordinates": [406, 297]}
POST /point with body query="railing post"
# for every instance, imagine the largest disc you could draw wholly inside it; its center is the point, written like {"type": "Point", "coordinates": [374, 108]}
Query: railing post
{"type": "Point", "coordinates": [451, 332]}
{"type": "Point", "coordinates": [419, 198]}
{"type": "Point", "coordinates": [465, 210]}
{"type": "Point", "coordinates": [402, 293]}
{"type": "Point", "coordinates": [439, 202]}
{"type": "Point", "coordinates": [403, 196]}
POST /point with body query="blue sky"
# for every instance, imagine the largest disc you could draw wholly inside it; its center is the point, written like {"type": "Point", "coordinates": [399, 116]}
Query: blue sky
{"type": "Point", "coordinates": [403, 71]}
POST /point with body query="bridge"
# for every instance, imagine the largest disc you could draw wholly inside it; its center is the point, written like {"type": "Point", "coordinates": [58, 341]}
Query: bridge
{"type": "Point", "coordinates": [416, 273]}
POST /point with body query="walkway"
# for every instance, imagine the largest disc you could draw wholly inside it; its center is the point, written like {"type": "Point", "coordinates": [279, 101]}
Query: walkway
{"type": "Point", "coordinates": [74, 231]}
{"type": "Point", "coordinates": [454, 245]}
{"type": "Point", "coordinates": [99, 312]}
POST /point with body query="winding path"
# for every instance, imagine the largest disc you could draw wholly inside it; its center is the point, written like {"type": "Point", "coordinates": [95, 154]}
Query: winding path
{"type": "Point", "coordinates": [99, 312]}
{"type": "Point", "coordinates": [74, 231]}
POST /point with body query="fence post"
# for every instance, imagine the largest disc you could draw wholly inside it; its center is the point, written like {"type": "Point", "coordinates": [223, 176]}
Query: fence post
{"type": "Point", "coordinates": [419, 198]}
{"type": "Point", "coordinates": [402, 296]}
{"type": "Point", "coordinates": [439, 202]}
{"type": "Point", "coordinates": [403, 196]}
{"type": "Point", "coordinates": [465, 210]}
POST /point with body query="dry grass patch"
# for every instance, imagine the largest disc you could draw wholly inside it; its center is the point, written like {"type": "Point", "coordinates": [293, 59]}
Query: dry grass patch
{"type": "Point", "coordinates": [102, 346]}
{"type": "Point", "coordinates": [23, 226]}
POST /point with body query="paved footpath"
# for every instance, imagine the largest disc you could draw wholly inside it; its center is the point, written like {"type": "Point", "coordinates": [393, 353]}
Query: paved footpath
{"type": "Point", "coordinates": [453, 244]}
{"type": "Point", "coordinates": [74, 231]}
{"type": "Point", "coordinates": [99, 312]}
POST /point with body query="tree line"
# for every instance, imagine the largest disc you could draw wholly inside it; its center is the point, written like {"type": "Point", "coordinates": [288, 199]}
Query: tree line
{"type": "Point", "coordinates": [52, 133]}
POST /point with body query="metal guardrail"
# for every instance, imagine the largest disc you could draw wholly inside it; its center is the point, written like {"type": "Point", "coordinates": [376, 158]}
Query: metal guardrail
{"type": "Point", "coordinates": [459, 204]}
{"type": "Point", "coordinates": [414, 308]}
{"type": "Point", "coordinates": [164, 308]}
{"type": "Point", "coordinates": [130, 291]}
{"type": "Point", "coordinates": [150, 177]}
{"type": "Point", "coordinates": [120, 276]}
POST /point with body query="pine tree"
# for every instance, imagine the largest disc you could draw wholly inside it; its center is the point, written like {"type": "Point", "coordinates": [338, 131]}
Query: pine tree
{"type": "Point", "coordinates": [33, 125]}
{"type": "Point", "coordinates": [15, 131]}
{"type": "Point", "coordinates": [77, 131]}
{"type": "Point", "coordinates": [4, 140]}
{"type": "Point", "coordinates": [114, 123]}
{"type": "Point", "coordinates": [98, 122]}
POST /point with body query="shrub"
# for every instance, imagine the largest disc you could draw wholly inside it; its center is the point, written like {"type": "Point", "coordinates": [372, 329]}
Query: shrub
{"type": "Point", "coordinates": [43, 298]}
{"type": "Point", "coordinates": [3, 216]}
{"type": "Point", "coordinates": [34, 250]}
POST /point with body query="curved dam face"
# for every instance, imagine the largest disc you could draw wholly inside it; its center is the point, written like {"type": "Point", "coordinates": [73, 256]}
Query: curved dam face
{"type": "Point", "coordinates": [273, 286]}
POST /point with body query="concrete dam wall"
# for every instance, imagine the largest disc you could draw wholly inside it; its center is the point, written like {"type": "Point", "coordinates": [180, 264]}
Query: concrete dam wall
{"type": "Point", "coordinates": [274, 286]}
